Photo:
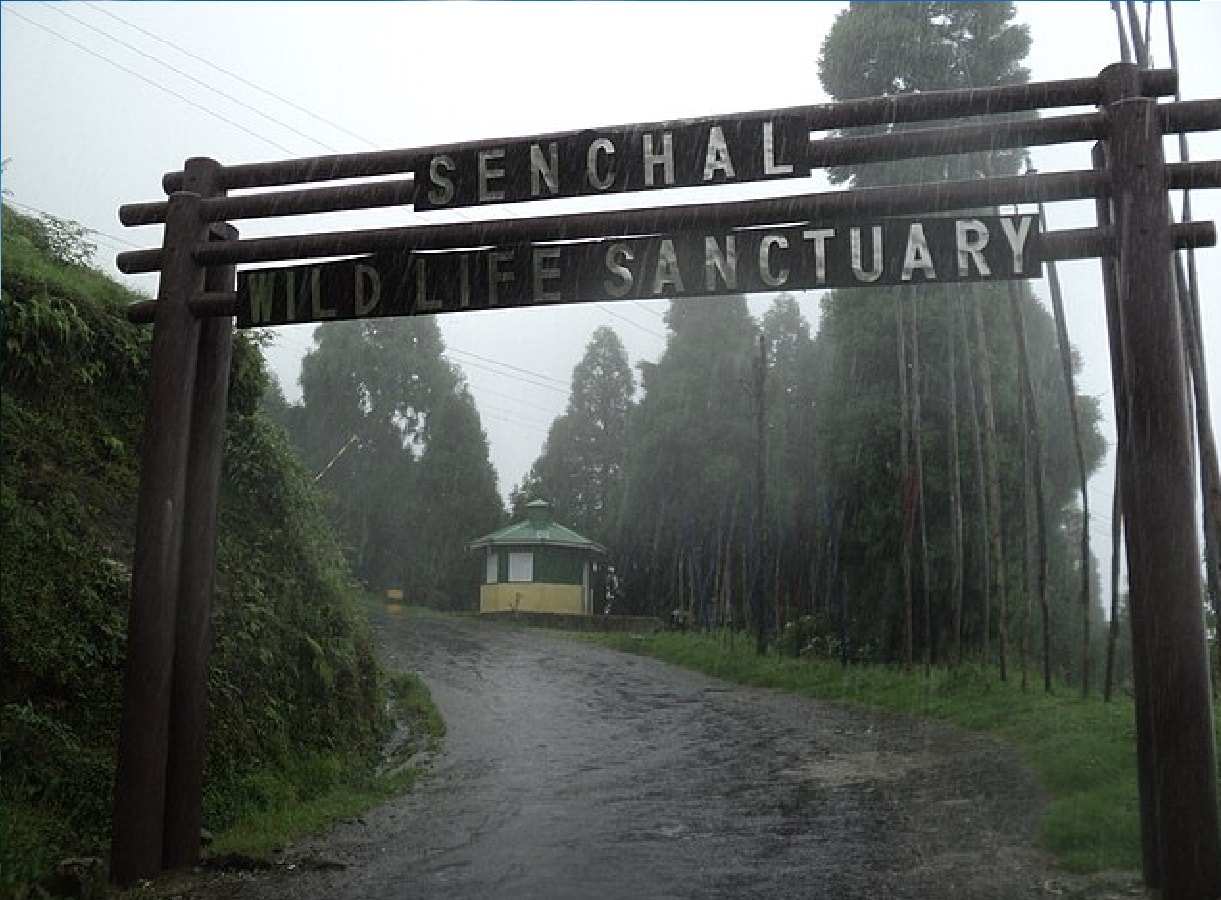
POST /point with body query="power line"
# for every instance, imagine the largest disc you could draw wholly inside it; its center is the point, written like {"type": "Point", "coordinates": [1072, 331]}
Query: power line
{"type": "Point", "coordinates": [555, 381]}
{"type": "Point", "coordinates": [93, 231]}
{"type": "Point", "coordinates": [233, 75]}
{"type": "Point", "coordinates": [650, 310]}
{"type": "Point", "coordinates": [510, 418]}
{"type": "Point", "coordinates": [9, 9]}
{"type": "Point", "coordinates": [516, 399]}
{"type": "Point", "coordinates": [187, 75]}
{"type": "Point", "coordinates": [604, 306]}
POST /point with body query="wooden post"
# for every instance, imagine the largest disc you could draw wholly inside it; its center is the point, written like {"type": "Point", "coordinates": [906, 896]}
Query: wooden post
{"type": "Point", "coordinates": [1159, 493]}
{"type": "Point", "coordinates": [139, 804]}
{"type": "Point", "coordinates": [1136, 612]}
{"type": "Point", "coordinates": [188, 710]}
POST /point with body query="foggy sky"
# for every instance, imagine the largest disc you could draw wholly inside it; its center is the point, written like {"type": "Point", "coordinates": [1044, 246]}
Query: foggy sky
{"type": "Point", "coordinates": [89, 123]}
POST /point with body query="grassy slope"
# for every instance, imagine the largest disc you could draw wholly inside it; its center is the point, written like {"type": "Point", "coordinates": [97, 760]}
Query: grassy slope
{"type": "Point", "coordinates": [297, 704]}
{"type": "Point", "coordinates": [322, 791]}
{"type": "Point", "coordinates": [1081, 751]}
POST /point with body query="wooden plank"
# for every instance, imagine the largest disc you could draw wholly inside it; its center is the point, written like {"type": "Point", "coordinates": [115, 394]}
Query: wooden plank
{"type": "Point", "coordinates": [801, 257]}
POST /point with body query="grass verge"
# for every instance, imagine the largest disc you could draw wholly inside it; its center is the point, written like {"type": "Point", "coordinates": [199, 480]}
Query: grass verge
{"type": "Point", "coordinates": [1082, 752]}
{"type": "Point", "coordinates": [265, 807]}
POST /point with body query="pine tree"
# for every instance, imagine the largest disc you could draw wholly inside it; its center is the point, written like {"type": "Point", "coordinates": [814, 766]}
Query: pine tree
{"type": "Point", "coordinates": [389, 430]}
{"type": "Point", "coordinates": [581, 469]}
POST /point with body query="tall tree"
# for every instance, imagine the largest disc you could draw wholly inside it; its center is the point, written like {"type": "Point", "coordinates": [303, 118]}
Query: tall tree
{"type": "Point", "coordinates": [455, 491]}
{"type": "Point", "coordinates": [690, 473]}
{"type": "Point", "coordinates": [877, 49]}
{"type": "Point", "coordinates": [582, 466]}
{"type": "Point", "coordinates": [388, 429]}
{"type": "Point", "coordinates": [794, 500]}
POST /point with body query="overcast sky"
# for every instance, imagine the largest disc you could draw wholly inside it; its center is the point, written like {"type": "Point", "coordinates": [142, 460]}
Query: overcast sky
{"type": "Point", "coordinates": [100, 99]}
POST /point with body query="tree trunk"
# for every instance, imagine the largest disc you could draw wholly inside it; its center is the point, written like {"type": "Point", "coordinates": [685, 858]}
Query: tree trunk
{"type": "Point", "coordinates": [1070, 389]}
{"type": "Point", "coordinates": [1125, 49]}
{"type": "Point", "coordinates": [760, 567]}
{"type": "Point", "coordinates": [1210, 476]}
{"type": "Point", "coordinates": [906, 500]}
{"type": "Point", "coordinates": [917, 443]}
{"type": "Point", "coordinates": [1108, 683]}
{"type": "Point", "coordinates": [1036, 460]}
{"type": "Point", "coordinates": [956, 560]}
{"type": "Point", "coordinates": [1027, 491]}
{"type": "Point", "coordinates": [981, 491]}
{"type": "Point", "coordinates": [1140, 42]}
{"type": "Point", "coordinates": [983, 374]}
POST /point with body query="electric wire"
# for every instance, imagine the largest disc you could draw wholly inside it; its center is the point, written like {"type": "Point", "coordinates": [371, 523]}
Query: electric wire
{"type": "Point", "coordinates": [58, 7]}
{"type": "Point", "coordinates": [234, 75]}
{"type": "Point", "coordinates": [9, 9]}
{"type": "Point", "coordinates": [93, 231]}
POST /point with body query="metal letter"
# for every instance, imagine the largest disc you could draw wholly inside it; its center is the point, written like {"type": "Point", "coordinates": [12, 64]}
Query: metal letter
{"type": "Point", "coordinates": [819, 236]}
{"type": "Point", "coordinates": [544, 272]}
{"type": "Point", "coordinates": [603, 145]}
{"type": "Point", "coordinates": [290, 296]}
{"type": "Point", "coordinates": [545, 169]}
{"type": "Point", "coordinates": [971, 246]}
{"type": "Point", "coordinates": [488, 173]}
{"type": "Point", "coordinates": [917, 256]}
{"type": "Point", "coordinates": [368, 289]}
{"type": "Point", "coordinates": [766, 275]}
{"type": "Point", "coordinates": [422, 301]}
{"type": "Point", "coordinates": [616, 254]}
{"type": "Point", "coordinates": [495, 275]}
{"type": "Point", "coordinates": [262, 285]}
{"type": "Point", "coordinates": [444, 191]}
{"type": "Point", "coordinates": [464, 282]}
{"type": "Point", "coordinates": [725, 263]}
{"type": "Point", "coordinates": [1017, 238]}
{"type": "Point", "coordinates": [320, 311]}
{"type": "Point", "coordinates": [770, 166]}
{"type": "Point", "coordinates": [717, 155]}
{"type": "Point", "coordinates": [854, 235]}
{"type": "Point", "coordinates": [665, 159]}
{"type": "Point", "coordinates": [667, 271]}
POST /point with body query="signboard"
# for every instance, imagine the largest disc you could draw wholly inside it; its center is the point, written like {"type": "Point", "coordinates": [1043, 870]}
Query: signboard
{"type": "Point", "coordinates": [612, 161]}
{"type": "Point", "coordinates": [790, 258]}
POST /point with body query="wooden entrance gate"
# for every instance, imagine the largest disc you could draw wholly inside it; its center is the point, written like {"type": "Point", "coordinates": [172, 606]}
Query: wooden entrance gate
{"type": "Point", "coordinates": [798, 242]}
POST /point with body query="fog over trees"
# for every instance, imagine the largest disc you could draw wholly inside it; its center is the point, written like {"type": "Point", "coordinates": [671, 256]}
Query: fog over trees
{"type": "Point", "coordinates": [390, 431]}
{"type": "Point", "coordinates": [901, 453]}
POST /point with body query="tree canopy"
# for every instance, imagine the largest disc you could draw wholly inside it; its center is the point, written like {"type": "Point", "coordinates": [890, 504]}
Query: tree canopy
{"type": "Point", "coordinates": [390, 431]}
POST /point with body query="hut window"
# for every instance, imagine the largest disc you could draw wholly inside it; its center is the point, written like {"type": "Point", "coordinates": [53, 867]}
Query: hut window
{"type": "Point", "coordinates": [490, 578]}
{"type": "Point", "coordinates": [521, 566]}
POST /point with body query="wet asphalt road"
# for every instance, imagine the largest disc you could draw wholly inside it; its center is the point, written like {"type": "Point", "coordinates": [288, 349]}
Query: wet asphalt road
{"type": "Point", "coordinates": [572, 772]}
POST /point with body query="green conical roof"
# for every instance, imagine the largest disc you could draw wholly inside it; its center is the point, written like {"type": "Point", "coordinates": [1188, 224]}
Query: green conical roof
{"type": "Point", "coordinates": [537, 528]}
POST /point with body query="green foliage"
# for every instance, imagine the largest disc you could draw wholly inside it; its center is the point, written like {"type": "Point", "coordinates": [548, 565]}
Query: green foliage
{"type": "Point", "coordinates": [392, 435]}
{"type": "Point", "coordinates": [689, 481]}
{"type": "Point", "coordinates": [414, 704]}
{"type": "Point", "coordinates": [293, 659]}
{"type": "Point", "coordinates": [58, 240]}
{"type": "Point", "coordinates": [582, 467]}
{"type": "Point", "coordinates": [293, 673]}
{"type": "Point", "coordinates": [857, 407]}
{"type": "Point", "coordinates": [1081, 751]}
{"type": "Point", "coordinates": [877, 49]}
{"type": "Point", "coordinates": [261, 807]}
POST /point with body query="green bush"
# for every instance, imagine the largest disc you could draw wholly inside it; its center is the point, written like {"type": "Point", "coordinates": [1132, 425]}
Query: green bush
{"type": "Point", "coordinates": [293, 672]}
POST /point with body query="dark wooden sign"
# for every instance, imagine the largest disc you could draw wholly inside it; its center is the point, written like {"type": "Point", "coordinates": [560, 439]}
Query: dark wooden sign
{"type": "Point", "coordinates": [789, 258]}
{"type": "Point", "coordinates": [612, 161]}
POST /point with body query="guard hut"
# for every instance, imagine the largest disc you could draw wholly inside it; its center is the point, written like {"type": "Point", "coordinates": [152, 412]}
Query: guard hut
{"type": "Point", "coordinates": [538, 565]}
